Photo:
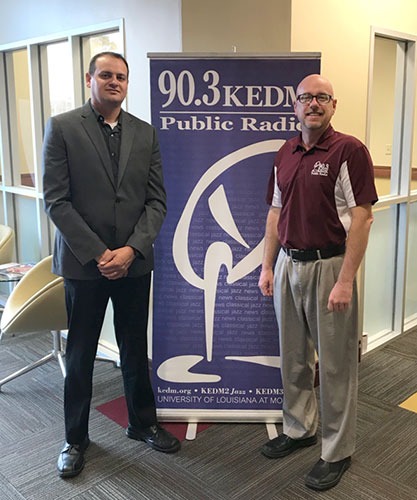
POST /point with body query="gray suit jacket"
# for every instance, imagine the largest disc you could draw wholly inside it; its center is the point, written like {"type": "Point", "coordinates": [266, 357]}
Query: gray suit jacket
{"type": "Point", "coordinates": [90, 211]}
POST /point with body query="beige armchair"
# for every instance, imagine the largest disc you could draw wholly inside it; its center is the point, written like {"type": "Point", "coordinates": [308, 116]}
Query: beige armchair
{"type": "Point", "coordinates": [37, 304]}
{"type": "Point", "coordinates": [6, 244]}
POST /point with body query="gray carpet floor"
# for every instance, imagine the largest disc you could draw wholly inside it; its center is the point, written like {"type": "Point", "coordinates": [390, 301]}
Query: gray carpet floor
{"type": "Point", "coordinates": [223, 463]}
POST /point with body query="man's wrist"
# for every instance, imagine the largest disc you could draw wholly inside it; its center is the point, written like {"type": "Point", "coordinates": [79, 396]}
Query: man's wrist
{"type": "Point", "coordinates": [345, 281]}
{"type": "Point", "coordinates": [136, 253]}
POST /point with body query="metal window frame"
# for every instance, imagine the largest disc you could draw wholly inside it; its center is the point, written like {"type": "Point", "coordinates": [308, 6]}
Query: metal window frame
{"type": "Point", "coordinates": [39, 103]}
{"type": "Point", "coordinates": [400, 194]}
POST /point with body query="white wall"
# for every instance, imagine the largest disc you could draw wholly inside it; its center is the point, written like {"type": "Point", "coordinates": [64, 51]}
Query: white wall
{"type": "Point", "coordinates": [248, 25]}
{"type": "Point", "coordinates": [341, 31]}
{"type": "Point", "coordinates": [150, 26]}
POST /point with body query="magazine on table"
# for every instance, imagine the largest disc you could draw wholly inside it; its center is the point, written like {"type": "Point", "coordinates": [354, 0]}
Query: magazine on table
{"type": "Point", "coordinates": [14, 270]}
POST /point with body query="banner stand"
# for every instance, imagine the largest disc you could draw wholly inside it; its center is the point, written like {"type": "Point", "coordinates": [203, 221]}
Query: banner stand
{"type": "Point", "coordinates": [220, 118]}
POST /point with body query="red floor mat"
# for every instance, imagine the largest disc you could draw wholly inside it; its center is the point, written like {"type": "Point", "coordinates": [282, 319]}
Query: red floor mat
{"type": "Point", "coordinates": [116, 410]}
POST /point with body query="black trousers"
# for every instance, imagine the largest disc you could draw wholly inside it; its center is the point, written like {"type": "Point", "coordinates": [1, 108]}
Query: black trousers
{"type": "Point", "coordinates": [86, 302]}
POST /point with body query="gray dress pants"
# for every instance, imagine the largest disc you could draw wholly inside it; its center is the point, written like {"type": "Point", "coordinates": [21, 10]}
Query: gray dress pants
{"type": "Point", "coordinates": [301, 293]}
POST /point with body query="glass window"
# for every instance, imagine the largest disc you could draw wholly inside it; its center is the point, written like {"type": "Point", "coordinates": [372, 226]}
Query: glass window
{"type": "Point", "coordinates": [20, 118]}
{"type": "Point", "coordinates": [110, 41]}
{"type": "Point", "coordinates": [60, 83]}
{"type": "Point", "coordinates": [53, 68]}
{"type": "Point", "coordinates": [4, 287]}
{"type": "Point", "coordinates": [379, 286]}
{"type": "Point", "coordinates": [414, 154]}
{"type": "Point", "coordinates": [92, 45]}
{"type": "Point", "coordinates": [411, 283]}
{"type": "Point", "coordinates": [1, 149]}
{"type": "Point", "coordinates": [2, 219]}
{"type": "Point", "coordinates": [27, 234]}
{"type": "Point", "coordinates": [382, 111]}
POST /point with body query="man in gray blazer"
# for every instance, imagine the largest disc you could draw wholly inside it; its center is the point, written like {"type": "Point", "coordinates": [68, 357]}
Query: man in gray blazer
{"type": "Point", "coordinates": [103, 189]}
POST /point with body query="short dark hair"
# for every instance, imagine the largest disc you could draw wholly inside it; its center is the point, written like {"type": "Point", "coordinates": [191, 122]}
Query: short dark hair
{"type": "Point", "coordinates": [92, 65]}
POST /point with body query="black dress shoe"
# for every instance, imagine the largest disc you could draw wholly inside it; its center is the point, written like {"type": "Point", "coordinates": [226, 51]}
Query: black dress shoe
{"type": "Point", "coordinates": [156, 437]}
{"type": "Point", "coordinates": [283, 445]}
{"type": "Point", "coordinates": [71, 459]}
{"type": "Point", "coordinates": [325, 475]}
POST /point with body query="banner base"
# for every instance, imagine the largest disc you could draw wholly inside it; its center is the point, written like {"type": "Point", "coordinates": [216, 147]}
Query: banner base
{"type": "Point", "coordinates": [191, 431]}
{"type": "Point", "coordinates": [220, 416]}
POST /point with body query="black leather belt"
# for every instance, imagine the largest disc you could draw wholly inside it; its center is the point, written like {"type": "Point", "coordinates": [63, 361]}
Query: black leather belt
{"type": "Point", "coordinates": [314, 254]}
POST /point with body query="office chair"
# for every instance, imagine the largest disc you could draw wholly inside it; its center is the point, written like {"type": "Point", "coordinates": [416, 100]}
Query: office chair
{"type": "Point", "coordinates": [35, 305]}
{"type": "Point", "coordinates": [6, 244]}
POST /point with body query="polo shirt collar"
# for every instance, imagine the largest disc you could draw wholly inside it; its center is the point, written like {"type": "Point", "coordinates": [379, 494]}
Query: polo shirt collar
{"type": "Point", "coordinates": [322, 143]}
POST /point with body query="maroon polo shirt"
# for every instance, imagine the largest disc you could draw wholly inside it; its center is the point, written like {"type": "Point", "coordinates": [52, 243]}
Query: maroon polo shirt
{"type": "Point", "coordinates": [316, 189]}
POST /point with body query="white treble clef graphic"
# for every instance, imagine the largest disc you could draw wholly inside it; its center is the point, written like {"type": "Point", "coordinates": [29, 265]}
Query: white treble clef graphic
{"type": "Point", "coordinates": [218, 254]}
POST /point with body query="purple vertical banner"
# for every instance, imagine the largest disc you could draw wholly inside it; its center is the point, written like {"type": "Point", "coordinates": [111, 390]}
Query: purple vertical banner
{"type": "Point", "coordinates": [220, 122]}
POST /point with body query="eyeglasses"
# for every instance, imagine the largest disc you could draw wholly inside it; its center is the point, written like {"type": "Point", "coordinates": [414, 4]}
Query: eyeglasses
{"type": "Point", "coordinates": [308, 98]}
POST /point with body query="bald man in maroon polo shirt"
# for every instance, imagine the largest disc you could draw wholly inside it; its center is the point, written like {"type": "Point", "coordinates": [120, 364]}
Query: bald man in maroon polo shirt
{"type": "Point", "coordinates": [320, 193]}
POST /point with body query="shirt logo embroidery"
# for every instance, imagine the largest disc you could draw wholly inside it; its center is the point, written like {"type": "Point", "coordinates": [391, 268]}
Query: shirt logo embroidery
{"type": "Point", "coordinates": [320, 169]}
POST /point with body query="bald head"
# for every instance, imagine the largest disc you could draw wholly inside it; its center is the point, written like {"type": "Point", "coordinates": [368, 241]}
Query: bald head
{"type": "Point", "coordinates": [315, 81]}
